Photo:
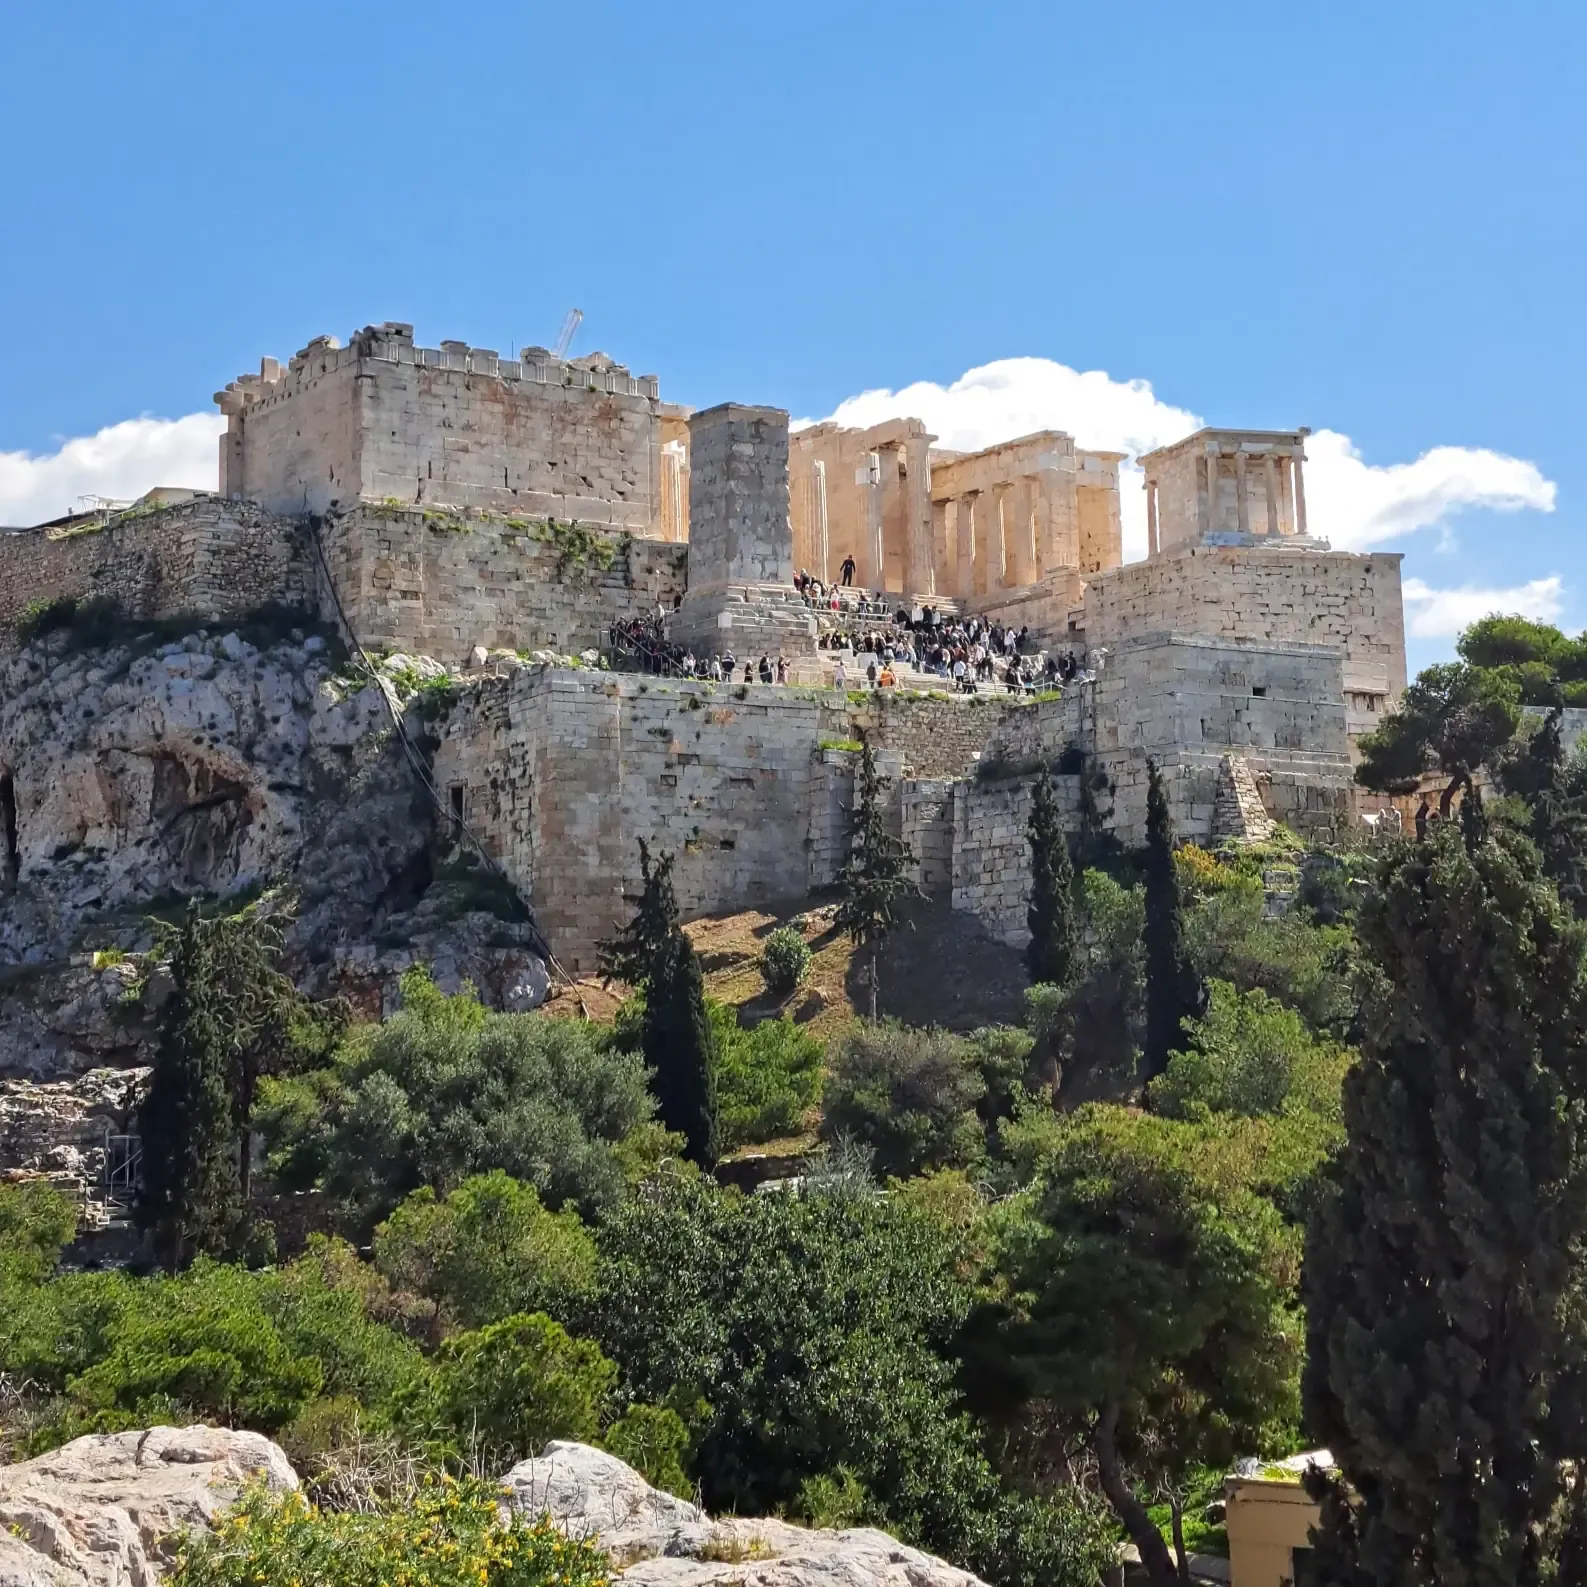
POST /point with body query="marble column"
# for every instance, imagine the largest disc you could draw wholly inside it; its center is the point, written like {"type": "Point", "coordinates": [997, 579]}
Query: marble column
{"type": "Point", "coordinates": [970, 566]}
{"type": "Point", "coordinates": [1270, 485]}
{"type": "Point", "coordinates": [1242, 505]}
{"type": "Point", "coordinates": [1300, 494]}
{"type": "Point", "coordinates": [1001, 532]}
{"type": "Point", "coordinates": [944, 553]}
{"type": "Point", "coordinates": [1152, 547]}
{"type": "Point", "coordinates": [1209, 504]}
{"type": "Point", "coordinates": [819, 547]}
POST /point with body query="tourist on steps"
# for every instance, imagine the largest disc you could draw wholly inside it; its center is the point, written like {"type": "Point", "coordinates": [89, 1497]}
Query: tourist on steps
{"type": "Point", "coordinates": [847, 570]}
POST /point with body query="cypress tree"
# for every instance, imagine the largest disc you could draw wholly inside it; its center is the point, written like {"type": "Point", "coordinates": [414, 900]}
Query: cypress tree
{"type": "Point", "coordinates": [1173, 990]}
{"type": "Point", "coordinates": [1445, 1353]}
{"type": "Point", "coordinates": [653, 952]}
{"type": "Point", "coordinates": [875, 880]}
{"type": "Point", "coordinates": [190, 1198]}
{"type": "Point", "coordinates": [1053, 952]}
{"type": "Point", "coordinates": [1555, 792]}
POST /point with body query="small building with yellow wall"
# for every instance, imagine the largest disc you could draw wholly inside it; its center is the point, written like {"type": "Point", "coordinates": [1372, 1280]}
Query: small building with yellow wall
{"type": "Point", "coordinates": [1270, 1517]}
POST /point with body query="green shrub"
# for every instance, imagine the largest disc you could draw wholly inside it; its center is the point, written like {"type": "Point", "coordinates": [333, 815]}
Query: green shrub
{"type": "Point", "coordinates": [767, 1079]}
{"type": "Point", "coordinates": [833, 1500]}
{"type": "Point", "coordinates": [909, 1095]}
{"type": "Point", "coordinates": [449, 1534]}
{"type": "Point", "coordinates": [502, 1392]}
{"type": "Point", "coordinates": [36, 1224]}
{"type": "Point", "coordinates": [653, 1440]}
{"type": "Point", "coordinates": [486, 1251]}
{"type": "Point", "coordinates": [785, 960]}
{"type": "Point", "coordinates": [444, 1090]}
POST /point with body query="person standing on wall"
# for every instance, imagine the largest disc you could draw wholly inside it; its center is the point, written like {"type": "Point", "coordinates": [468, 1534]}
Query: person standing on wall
{"type": "Point", "coordinates": [847, 570]}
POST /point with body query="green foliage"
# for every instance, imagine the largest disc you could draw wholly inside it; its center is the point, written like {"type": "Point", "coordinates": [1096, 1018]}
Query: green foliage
{"type": "Point", "coordinates": [90, 622]}
{"type": "Point", "coordinates": [802, 1329]}
{"type": "Point", "coordinates": [1250, 1055]}
{"type": "Point", "coordinates": [444, 1090]}
{"type": "Point", "coordinates": [216, 1343]}
{"type": "Point", "coordinates": [486, 1251]}
{"type": "Point", "coordinates": [448, 1534]}
{"type": "Point", "coordinates": [1308, 967]}
{"type": "Point", "coordinates": [1052, 957]}
{"type": "Point", "coordinates": [1173, 991]}
{"type": "Point", "coordinates": [1443, 1284]}
{"type": "Point", "coordinates": [785, 960]}
{"type": "Point", "coordinates": [910, 1096]}
{"type": "Point", "coordinates": [832, 1500]}
{"type": "Point", "coordinates": [874, 882]}
{"type": "Point", "coordinates": [577, 545]}
{"type": "Point", "coordinates": [1553, 794]}
{"type": "Point", "coordinates": [500, 1393]}
{"type": "Point", "coordinates": [36, 1224]}
{"type": "Point", "coordinates": [1499, 641]}
{"type": "Point", "coordinates": [1452, 719]}
{"type": "Point", "coordinates": [768, 1078]}
{"type": "Point", "coordinates": [654, 1441]}
{"type": "Point", "coordinates": [1151, 1305]}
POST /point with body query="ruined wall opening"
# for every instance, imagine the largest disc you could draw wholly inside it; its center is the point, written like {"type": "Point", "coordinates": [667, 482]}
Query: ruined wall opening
{"type": "Point", "coordinates": [11, 856]}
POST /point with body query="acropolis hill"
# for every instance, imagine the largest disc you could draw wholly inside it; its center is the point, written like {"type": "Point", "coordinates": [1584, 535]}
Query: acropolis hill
{"type": "Point", "coordinates": [492, 514]}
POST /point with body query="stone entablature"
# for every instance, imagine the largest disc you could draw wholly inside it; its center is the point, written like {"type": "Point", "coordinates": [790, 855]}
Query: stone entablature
{"type": "Point", "coordinates": [1226, 487]}
{"type": "Point", "coordinates": [454, 426]}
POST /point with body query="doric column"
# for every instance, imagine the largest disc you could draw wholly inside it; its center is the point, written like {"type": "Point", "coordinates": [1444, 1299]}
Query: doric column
{"type": "Point", "coordinates": [1152, 546]}
{"type": "Point", "coordinates": [1019, 539]}
{"type": "Point", "coordinates": [965, 516]}
{"type": "Point", "coordinates": [1300, 493]}
{"type": "Point", "coordinates": [818, 519]}
{"type": "Point", "coordinates": [1000, 533]}
{"type": "Point", "coordinates": [1242, 506]}
{"type": "Point", "coordinates": [943, 551]}
{"type": "Point", "coordinates": [872, 567]}
{"type": "Point", "coordinates": [1270, 483]}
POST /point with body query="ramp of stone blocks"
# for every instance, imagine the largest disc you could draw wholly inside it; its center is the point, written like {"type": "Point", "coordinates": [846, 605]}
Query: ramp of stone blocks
{"type": "Point", "coordinates": [1238, 811]}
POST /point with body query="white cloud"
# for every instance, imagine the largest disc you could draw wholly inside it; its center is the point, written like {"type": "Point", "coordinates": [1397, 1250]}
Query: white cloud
{"type": "Point", "coordinates": [121, 461]}
{"type": "Point", "coordinates": [1352, 503]}
{"type": "Point", "coordinates": [1441, 614]}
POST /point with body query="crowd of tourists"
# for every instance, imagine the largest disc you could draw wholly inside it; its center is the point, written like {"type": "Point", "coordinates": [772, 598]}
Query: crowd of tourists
{"type": "Point", "coordinates": [881, 641]}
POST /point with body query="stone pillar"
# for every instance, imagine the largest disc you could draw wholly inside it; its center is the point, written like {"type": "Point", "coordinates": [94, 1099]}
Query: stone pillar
{"type": "Point", "coordinates": [1242, 505]}
{"type": "Point", "coordinates": [818, 520]}
{"type": "Point", "coordinates": [1300, 494]}
{"type": "Point", "coordinates": [868, 479]}
{"type": "Point", "coordinates": [674, 491]}
{"type": "Point", "coordinates": [1002, 534]}
{"type": "Point", "coordinates": [944, 553]}
{"type": "Point", "coordinates": [1270, 485]}
{"type": "Point", "coordinates": [919, 557]}
{"type": "Point", "coordinates": [1208, 514]}
{"type": "Point", "coordinates": [741, 592]}
{"type": "Point", "coordinates": [1152, 547]}
{"type": "Point", "coordinates": [966, 527]}
{"type": "Point", "coordinates": [1018, 541]}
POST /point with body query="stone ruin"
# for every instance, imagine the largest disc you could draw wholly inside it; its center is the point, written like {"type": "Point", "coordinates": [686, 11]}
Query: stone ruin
{"type": "Point", "coordinates": [477, 510]}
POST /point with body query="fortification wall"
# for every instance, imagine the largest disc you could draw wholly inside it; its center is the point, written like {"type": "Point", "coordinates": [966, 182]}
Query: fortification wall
{"type": "Point", "coordinates": [440, 583]}
{"type": "Point", "coordinates": [931, 738]}
{"type": "Point", "coordinates": [1297, 597]}
{"type": "Point", "coordinates": [455, 426]}
{"type": "Point", "coordinates": [206, 557]}
{"type": "Point", "coordinates": [562, 773]}
{"type": "Point", "coordinates": [991, 849]}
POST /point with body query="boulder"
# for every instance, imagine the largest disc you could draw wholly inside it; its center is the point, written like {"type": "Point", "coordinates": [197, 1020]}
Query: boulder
{"type": "Point", "coordinates": [104, 1511]}
{"type": "Point", "coordinates": [657, 1540]}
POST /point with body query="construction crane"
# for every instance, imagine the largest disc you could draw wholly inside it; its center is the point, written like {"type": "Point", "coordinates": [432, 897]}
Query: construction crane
{"type": "Point", "coordinates": [569, 329]}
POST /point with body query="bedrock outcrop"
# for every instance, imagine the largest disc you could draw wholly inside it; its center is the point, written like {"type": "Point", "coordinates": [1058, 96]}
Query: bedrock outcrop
{"type": "Point", "coordinates": [104, 1511]}
{"type": "Point", "coordinates": [132, 777]}
{"type": "Point", "coordinates": [658, 1540]}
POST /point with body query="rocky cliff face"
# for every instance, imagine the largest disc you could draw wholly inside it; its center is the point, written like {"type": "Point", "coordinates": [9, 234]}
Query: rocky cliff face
{"type": "Point", "coordinates": [134, 775]}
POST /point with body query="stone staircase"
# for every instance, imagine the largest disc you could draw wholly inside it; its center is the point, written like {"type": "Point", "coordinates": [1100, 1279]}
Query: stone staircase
{"type": "Point", "coordinates": [1237, 811]}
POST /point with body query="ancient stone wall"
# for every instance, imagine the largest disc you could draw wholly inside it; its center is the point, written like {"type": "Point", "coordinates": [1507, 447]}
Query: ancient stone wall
{"type": "Point", "coordinates": [991, 849]}
{"type": "Point", "coordinates": [1300, 597]}
{"type": "Point", "coordinates": [453, 426]}
{"type": "Point", "coordinates": [440, 583]}
{"type": "Point", "coordinates": [206, 557]}
{"type": "Point", "coordinates": [932, 738]}
{"type": "Point", "coordinates": [562, 772]}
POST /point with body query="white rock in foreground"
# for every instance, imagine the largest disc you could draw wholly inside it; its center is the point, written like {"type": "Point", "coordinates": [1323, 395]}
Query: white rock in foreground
{"type": "Point", "coordinates": [664, 1542]}
{"type": "Point", "coordinates": [100, 1511]}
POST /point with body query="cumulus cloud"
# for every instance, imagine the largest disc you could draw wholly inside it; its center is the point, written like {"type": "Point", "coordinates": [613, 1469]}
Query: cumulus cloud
{"type": "Point", "coordinates": [121, 461]}
{"type": "Point", "coordinates": [1353, 503]}
{"type": "Point", "coordinates": [1441, 614]}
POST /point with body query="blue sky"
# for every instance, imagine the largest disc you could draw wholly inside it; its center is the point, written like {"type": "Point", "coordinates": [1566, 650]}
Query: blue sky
{"type": "Point", "coordinates": [1365, 218]}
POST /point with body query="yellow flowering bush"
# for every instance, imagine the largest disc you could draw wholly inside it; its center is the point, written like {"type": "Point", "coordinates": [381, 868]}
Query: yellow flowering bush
{"type": "Point", "coordinates": [449, 1534]}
